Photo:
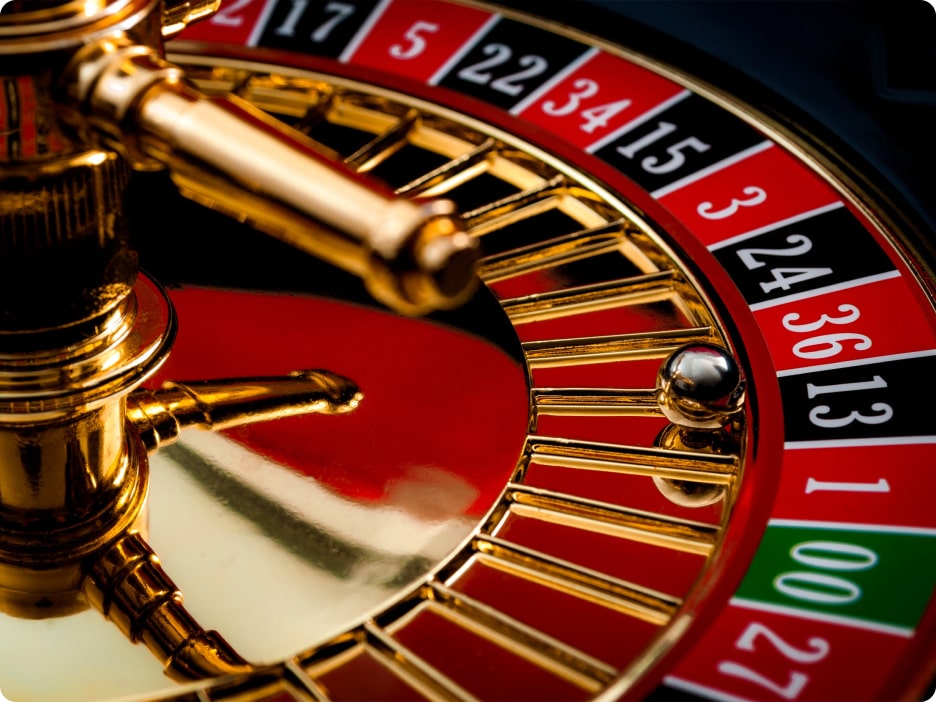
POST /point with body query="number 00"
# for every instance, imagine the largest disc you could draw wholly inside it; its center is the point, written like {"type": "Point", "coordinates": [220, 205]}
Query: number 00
{"type": "Point", "coordinates": [819, 587]}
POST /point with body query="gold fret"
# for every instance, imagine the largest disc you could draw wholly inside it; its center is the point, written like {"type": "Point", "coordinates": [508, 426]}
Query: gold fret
{"type": "Point", "coordinates": [538, 648]}
{"type": "Point", "coordinates": [300, 679]}
{"type": "Point", "coordinates": [633, 460]}
{"type": "Point", "coordinates": [294, 97]}
{"type": "Point", "coordinates": [263, 683]}
{"type": "Point", "coordinates": [514, 208]}
{"type": "Point", "coordinates": [410, 668]}
{"type": "Point", "coordinates": [349, 110]}
{"type": "Point", "coordinates": [630, 599]}
{"type": "Point", "coordinates": [602, 349]}
{"type": "Point", "coordinates": [636, 290]}
{"type": "Point", "coordinates": [452, 173]}
{"type": "Point", "coordinates": [331, 656]}
{"type": "Point", "coordinates": [590, 402]}
{"type": "Point", "coordinates": [554, 252]}
{"type": "Point", "coordinates": [622, 522]}
{"type": "Point", "coordinates": [384, 145]}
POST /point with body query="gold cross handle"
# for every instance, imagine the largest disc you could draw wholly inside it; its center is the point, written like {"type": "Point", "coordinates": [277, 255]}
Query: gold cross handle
{"type": "Point", "coordinates": [160, 415]}
{"type": "Point", "coordinates": [126, 582]}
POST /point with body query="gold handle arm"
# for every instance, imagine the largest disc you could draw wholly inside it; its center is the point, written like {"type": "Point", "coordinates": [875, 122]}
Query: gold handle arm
{"type": "Point", "coordinates": [413, 255]}
{"type": "Point", "coordinates": [128, 585]}
{"type": "Point", "coordinates": [160, 415]}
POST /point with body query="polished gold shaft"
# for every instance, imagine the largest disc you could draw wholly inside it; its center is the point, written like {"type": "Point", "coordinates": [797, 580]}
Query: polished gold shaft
{"type": "Point", "coordinates": [413, 256]}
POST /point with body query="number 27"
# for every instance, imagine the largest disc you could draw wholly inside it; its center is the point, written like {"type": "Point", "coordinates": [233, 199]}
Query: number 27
{"type": "Point", "coordinates": [818, 648]}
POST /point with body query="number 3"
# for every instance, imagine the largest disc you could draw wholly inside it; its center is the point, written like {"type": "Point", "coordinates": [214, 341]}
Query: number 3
{"type": "Point", "coordinates": [755, 197]}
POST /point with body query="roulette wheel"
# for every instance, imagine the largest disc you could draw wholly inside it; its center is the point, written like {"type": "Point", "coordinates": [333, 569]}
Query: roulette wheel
{"type": "Point", "coordinates": [670, 448]}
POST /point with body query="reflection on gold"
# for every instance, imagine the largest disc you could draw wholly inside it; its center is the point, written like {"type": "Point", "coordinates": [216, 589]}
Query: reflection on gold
{"type": "Point", "coordinates": [625, 597]}
{"type": "Point", "coordinates": [579, 668]}
{"type": "Point", "coordinates": [74, 474]}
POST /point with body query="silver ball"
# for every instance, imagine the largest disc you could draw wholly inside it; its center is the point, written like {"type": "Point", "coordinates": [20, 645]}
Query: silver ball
{"type": "Point", "coordinates": [700, 387]}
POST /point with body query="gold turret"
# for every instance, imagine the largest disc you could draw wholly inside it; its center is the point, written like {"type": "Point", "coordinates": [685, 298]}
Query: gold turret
{"type": "Point", "coordinates": [90, 98]}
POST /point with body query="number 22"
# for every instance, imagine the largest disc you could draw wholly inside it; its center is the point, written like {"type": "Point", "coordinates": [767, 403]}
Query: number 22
{"type": "Point", "coordinates": [500, 54]}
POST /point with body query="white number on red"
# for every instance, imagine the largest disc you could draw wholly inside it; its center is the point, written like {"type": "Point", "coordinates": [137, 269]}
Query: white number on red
{"type": "Point", "coordinates": [755, 196]}
{"type": "Point", "coordinates": [228, 15]}
{"type": "Point", "coordinates": [417, 40]}
{"type": "Point", "coordinates": [817, 648]}
{"type": "Point", "coordinates": [595, 117]}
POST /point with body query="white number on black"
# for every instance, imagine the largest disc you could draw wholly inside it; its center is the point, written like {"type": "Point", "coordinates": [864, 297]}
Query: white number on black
{"type": "Point", "coordinates": [338, 10]}
{"type": "Point", "coordinates": [676, 152]}
{"type": "Point", "coordinates": [783, 278]}
{"type": "Point", "coordinates": [341, 10]}
{"type": "Point", "coordinates": [817, 415]}
{"type": "Point", "coordinates": [288, 27]}
{"type": "Point", "coordinates": [500, 54]}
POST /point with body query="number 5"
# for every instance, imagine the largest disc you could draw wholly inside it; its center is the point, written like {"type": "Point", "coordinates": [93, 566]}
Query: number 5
{"type": "Point", "coordinates": [417, 41]}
